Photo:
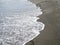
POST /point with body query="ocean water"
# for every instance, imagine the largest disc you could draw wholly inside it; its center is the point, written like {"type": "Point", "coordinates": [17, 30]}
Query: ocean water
{"type": "Point", "coordinates": [18, 22]}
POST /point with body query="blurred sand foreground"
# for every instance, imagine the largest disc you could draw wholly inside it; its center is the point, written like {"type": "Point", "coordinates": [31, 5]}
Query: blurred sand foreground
{"type": "Point", "coordinates": [51, 18]}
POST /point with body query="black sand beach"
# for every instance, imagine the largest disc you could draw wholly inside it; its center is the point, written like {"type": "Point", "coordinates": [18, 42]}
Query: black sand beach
{"type": "Point", "coordinates": [51, 18]}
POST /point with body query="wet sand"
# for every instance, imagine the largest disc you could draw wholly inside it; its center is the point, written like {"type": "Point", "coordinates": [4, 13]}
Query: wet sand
{"type": "Point", "coordinates": [51, 18]}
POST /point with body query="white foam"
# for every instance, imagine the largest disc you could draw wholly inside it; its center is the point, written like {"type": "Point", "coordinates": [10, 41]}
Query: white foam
{"type": "Point", "coordinates": [18, 22]}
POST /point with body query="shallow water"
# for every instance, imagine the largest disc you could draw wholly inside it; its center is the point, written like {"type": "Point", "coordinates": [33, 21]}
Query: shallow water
{"type": "Point", "coordinates": [18, 23]}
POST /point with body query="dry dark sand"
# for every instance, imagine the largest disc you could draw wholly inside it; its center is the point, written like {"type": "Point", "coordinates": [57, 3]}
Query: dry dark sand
{"type": "Point", "coordinates": [51, 18]}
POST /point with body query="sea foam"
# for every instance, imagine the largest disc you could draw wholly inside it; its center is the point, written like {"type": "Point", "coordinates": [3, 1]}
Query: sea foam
{"type": "Point", "coordinates": [18, 22]}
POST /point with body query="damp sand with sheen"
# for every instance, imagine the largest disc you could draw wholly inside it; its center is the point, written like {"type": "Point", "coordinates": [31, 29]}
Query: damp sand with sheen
{"type": "Point", "coordinates": [18, 22]}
